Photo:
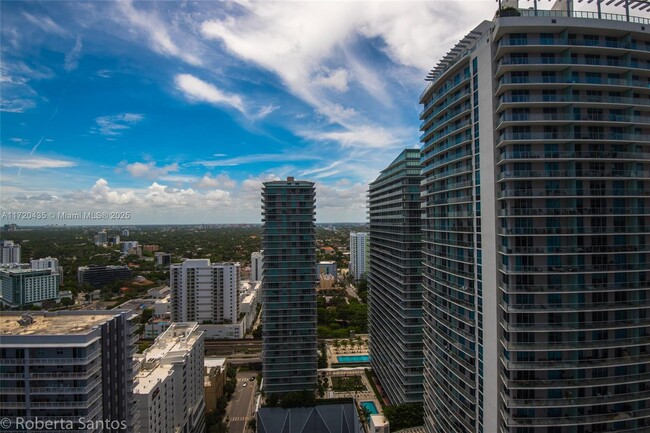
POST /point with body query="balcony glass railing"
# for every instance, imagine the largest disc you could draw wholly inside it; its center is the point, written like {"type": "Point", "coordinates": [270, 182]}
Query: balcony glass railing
{"type": "Point", "coordinates": [574, 98]}
{"type": "Point", "coordinates": [508, 41]}
{"type": "Point", "coordinates": [535, 61]}
{"type": "Point", "coordinates": [573, 155]}
{"type": "Point", "coordinates": [571, 231]}
{"type": "Point", "coordinates": [570, 136]}
{"type": "Point", "coordinates": [522, 174]}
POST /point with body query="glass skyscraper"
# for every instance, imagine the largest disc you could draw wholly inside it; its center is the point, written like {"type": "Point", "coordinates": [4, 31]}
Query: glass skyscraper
{"type": "Point", "coordinates": [536, 160]}
{"type": "Point", "coordinates": [289, 286]}
{"type": "Point", "coordinates": [394, 280]}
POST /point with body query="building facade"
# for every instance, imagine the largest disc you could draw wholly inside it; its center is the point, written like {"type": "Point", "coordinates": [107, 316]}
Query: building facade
{"type": "Point", "coordinates": [257, 262]}
{"type": "Point", "coordinates": [289, 352]}
{"type": "Point", "coordinates": [168, 388]}
{"type": "Point", "coordinates": [358, 254]}
{"type": "Point", "coordinates": [9, 252]}
{"type": "Point", "coordinates": [23, 287]}
{"type": "Point", "coordinates": [394, 278]}
{"type": "Point", "coordinates": [45, 263]}
{"type": "Point", "coordinates": [535, 160]}
{"type": "Point", "coordinates": [100, 276]}
{"type": "Point", "coordinates": [204, 292]}
{"type": "Point", "coordinates": [73, 367]}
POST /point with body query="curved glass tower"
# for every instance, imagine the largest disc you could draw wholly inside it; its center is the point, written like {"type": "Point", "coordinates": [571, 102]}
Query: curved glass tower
{"type": "Point", "coordinates": [536, 164]}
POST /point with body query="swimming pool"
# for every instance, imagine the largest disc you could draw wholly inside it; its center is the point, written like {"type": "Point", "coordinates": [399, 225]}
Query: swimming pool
{"type": "Point", "coordinates": [370, 407]}
{"type": "Point", "coordinates": [353, 358]}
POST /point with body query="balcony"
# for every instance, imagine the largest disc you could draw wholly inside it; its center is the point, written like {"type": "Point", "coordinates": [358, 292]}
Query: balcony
{"type": "Point", "coordinates": [571, 136]}
{"type": "Point", "coordinates": [512, 155]}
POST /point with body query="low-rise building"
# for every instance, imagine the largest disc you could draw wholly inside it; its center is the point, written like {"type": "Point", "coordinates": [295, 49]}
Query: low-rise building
{"type": "Point", "coordinates": [163, 259]}
{"type": "Point", "coordinates": [213, 382]}
{"type": "Point", "coordinates": [169, 391]}
{"type": "Point", "coordinates": [99, 276]}
{"type": "Point", "coordinates": [326, 268]}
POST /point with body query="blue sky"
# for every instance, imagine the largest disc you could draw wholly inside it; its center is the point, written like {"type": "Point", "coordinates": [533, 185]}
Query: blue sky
{"type": "Point", "coordinates": [178, 111]}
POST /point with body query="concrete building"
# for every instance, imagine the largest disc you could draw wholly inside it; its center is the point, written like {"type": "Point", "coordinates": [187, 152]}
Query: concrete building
{"type": "Point", "coordinates": [72, 366]}
{"type": "Point", "coordinates": [114, 240]}
{"type": "Point", "coordinates": [326, 268]}
{"type": "Point", "coordinates": [163, 259]}
{"type": "Point", "coordinates": [100, 276]}
{"type": "Point", "coordinates": [214, 378]}
{"type": "Point", "coordinates": [168, 388]}
{"type": "Point", "coordinates": [536, 235]}
{"type": "Point", "coordinates": [257, 262]}
{"type": "Point", "coordinates": [205, 293]}
{"type": "Point", "coordinates": [23, 287]}
{"type": "Point", "coordinates": [46, 263]}
{"type": "Point", "coordinates": [125, 232]}
{"type": "Point", "coordinates": [358, 254]}
{"type": "Point", "coordinates": [395, 278]}
{"type": "Point", "coordinates": [9, 252]}
{"type": "Point", "coordinates": [248, 305]}
{"type": "Point", "coordinates": [289, 351]}
{"type": "Point", "coordinates": [129, 246]}
{"type": "Point", "coordinates": [101, 238]}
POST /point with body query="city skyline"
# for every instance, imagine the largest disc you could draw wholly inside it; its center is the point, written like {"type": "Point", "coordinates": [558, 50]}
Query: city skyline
{"type": "Point", "coordinates": [176, 113]}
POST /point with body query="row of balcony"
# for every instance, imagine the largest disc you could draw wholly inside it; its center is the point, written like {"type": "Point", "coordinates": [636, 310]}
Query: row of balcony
{"type": "Point", "coordinates": [563, 41]}
{"type": "Point", "coordinates": [572, 135]}
{"type": "Point", "coordinates": [572, 192]}
{"type": "Point", "coordinates": [534, 61]}
{"type": "Point", "coordinates": [569, 155]}
{"type": "Point", "coordinates": [573, 80]}
{"type": "Point", "coordinates": [507, 98]}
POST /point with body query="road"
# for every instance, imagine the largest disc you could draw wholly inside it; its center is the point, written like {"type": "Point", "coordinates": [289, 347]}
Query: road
{"type": "Point", "coordinates": [240, 408]}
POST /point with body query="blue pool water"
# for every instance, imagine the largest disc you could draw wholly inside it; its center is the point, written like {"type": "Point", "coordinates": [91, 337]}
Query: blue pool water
{"type": "Point", "coordinates": [354, 358]}
{"type": "Point", "coordinates": [370, 407]}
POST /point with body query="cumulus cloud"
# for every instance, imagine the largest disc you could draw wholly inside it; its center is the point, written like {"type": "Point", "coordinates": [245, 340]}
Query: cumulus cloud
{"type": "Point", "coordinates": [219, 181]}
{"type": "Point", "coordinates": [149, 170]}
{"type": "Point", "coordinates": [116, 124]}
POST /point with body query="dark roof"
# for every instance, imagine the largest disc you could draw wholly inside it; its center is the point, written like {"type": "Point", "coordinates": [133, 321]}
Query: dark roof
{"type": "Point", "coordinates": [331, 418]}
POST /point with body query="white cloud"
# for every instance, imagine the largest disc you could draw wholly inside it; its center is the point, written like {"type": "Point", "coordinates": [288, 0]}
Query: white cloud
{"type": "Point", "coordinates": [102, 193]}
{"type": "Point", "coordinates": [46, 24]}
{"type": "Point", "coordinates": [158, 33]}
{"type": "Point", "coordinates": [19, 140]}
{"type": "Point", "coordinates": [72, 58]}
{"type": "Point", "coordinates": [16, 94]}
{"type": "Point", "coordinates": [36, 163]}
{"type": "Point", "coordinates": [219, 181]}
{"type": "Point", "coordinates": [116, 124]}
{"type": "Point", "coordinates": [337, 79]}
{"type": "Point", "coordinates": [256, 158]}
{"type": "Point", "coordinates": [149, 170]}
{"type": "Point", "coordinates": [265, 111]}
{"type": "Point", "coordinates": [363, 137]}
{"type": "Point", "coordinates": [196, 89]}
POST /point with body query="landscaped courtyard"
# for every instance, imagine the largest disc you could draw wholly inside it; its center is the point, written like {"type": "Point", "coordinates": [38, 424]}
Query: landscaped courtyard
{"type": "Point", "coordinates": [348, 384]}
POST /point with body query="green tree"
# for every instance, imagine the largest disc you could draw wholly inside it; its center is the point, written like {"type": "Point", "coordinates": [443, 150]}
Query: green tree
{"type": "Point", "coordinates": [405, 415]}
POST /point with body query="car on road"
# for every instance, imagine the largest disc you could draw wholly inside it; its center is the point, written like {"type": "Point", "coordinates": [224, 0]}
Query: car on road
{"type": "Point", "coordinates": [244, 384]}
{"type": "Point", "coordinates": [252, 378]}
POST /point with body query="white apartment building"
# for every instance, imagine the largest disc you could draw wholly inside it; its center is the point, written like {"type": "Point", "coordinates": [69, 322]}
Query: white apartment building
{"type": "Point", "coordinates": [9, 252]}
{"type": "Point", "coordinates": [257, 261]}
{"type": "Point", "coordinates": [73, 367]}
{"type": "Point", "coordinates": [46, 263]}
{"type": "Point", "coordinates": [205, 293]}
{"type": "Point", "coordinates": [169, 390]}
{"type": "Point", "coordinates": [21, 286]}
{"type": "Point", "coordinates": [358, 254]}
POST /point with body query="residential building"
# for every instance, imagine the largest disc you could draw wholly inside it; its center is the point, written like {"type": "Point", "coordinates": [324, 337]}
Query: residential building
{"type": "Point", "coordinates": [257, 262]}
{"type": "Point", "coordinates": [101, 238]}
{"type": "Point", "coordinates": [358, 254]}
{"type": "Point", "coordinates": [326, 268]}
{"type": "Point", "coordinates": [214, 378]}
{"type": "Point", "coordinates": [163, 259]}
{"type": "Point", "coordinates": [24, 287]}
{"type": "Point", "coordinates": [289, 352]}
{"type": "Point", "coordinates": [74, 367]}
{"type": "Point", "coordinates": [100, 276]}
{"type": "Point", "coordinates": [114, 240]}
{"type": "Point", "coordinates": [46, 263]}
{"type": "Point", "coordinates": [125, 232]}
{"type": "Point", "coordinates": [168, 388]}
{"type": "Point", "coordinates": [205, 293]}
{"type": "Point", "coordinates": [535, 161]}
{"type": "Point", "coordinates": [9, 252]}
{"type": "Point", "coordinates": [394, 278]}
{"type": "Point", "coordinates": [129, 245]}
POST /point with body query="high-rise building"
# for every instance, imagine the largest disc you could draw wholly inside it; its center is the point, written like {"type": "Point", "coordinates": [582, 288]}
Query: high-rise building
{"type": "Point", "coordinates": [163, 259]}
{"type": "Point", "coordinates": [204, 292]}
{"type": "Point", "coordinates": [71, 367]}
{"type": "Point", "coordinates": [24, 287]}
{"type": "Point", "coordinates": [168, 389]}
{"type": "Point", "coordinates": [535, 159]}
{"type": "Point", "coordinates": [99, 276]}
{"type": "Point", "coordinates": [9, 252]}
{"type": "Point", "coordinates": [394, 278]}
{"type": "Point", "coordinates": [101, 238]}
{"type": "Point", "coordinates": [257, 262]}
{"type": "Point", "coordinates": [289, 346]}
{"type": "Point", "coordinates": [358, 254]}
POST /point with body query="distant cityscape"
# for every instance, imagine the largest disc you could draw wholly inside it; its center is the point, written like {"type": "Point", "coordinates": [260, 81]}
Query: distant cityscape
{"type": "Point", "coordinates": [500, 283]}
